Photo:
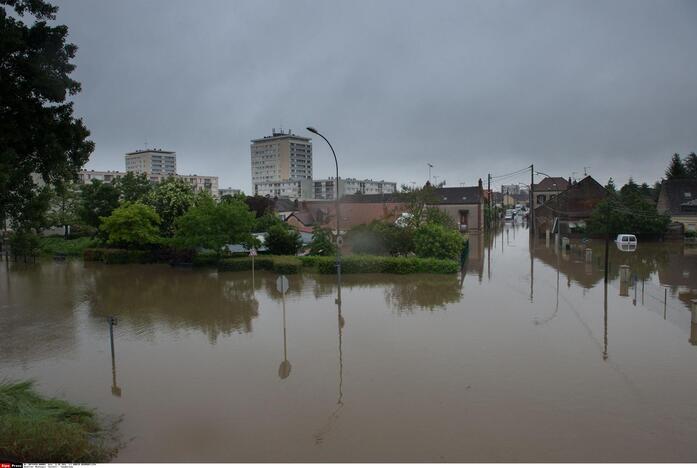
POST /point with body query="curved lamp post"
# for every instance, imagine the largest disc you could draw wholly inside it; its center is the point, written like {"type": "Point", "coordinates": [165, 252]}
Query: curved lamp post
{"type": "Point", "coordinates": [338, 232]}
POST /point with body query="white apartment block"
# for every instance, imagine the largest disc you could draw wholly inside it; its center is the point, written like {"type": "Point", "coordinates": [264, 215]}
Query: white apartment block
{"type": "Point", "coordinates": [324, 188]}
{"type": "Point", "coordinates": [198, 183]}
{"type": "Point", "coordinates": [299, 189]}
{"type": "Point", "coordinates": [281, 157]}
{"type": "Point", "coordinates": [229, 191]}
{"type": "Point", "coordinates": [152, 161]}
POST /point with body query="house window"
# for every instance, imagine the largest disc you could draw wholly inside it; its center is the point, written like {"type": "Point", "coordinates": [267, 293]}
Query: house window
{"type": "Point", "coordinates": [464, 214]}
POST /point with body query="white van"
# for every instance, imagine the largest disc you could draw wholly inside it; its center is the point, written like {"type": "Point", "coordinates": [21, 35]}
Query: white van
{"type": "Point", "coordinates": [629, 239]}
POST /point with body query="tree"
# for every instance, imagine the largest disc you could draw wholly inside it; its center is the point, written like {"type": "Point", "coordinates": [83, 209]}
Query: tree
{"type": "Point", "coordinates": [38, 132]}
{"type": "Point", "coordinates": [676, 169]}
{"type": "Point", "coordinates": [65, 205]}
{"type": "Point", "coordinates": [134, 187]}
{"type": "Point", "coordinates": [133, 224]}
{"type": "Point", "coordinates": [321, 243]}
{"type": "Point", "coordinates": [97, 201]}
{"type": "Point", "coordinates": [691, 165]}
{"type": "Point", "coordinates": [610, 187]}
{"type": "Point", "coordinates": [627, 212]}
{"type": "Point", "coordinates": [171, 199]}
{"type": "Point", "coordinates": [260, 205]}
{"type": "Point", "coordinates": [264, 222]}
{"type": "Point", "coordinates": [212, 225]}
{"type": "Point", "coordinates": [433, 240]}
{"type": "Point", "coordinates": [381, 238]}
{"type": "Point", "coordinates": [282, 239]}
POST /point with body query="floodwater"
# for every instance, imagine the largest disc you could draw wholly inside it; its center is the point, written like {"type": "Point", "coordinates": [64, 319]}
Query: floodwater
{"type": "Point", "coordinates": [523, 356]}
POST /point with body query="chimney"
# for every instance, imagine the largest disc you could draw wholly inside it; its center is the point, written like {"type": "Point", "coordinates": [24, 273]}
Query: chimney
{"type": "Point", "coordinates": [569, 181]}
{"type": "Point", "coordinates": [480, 183]}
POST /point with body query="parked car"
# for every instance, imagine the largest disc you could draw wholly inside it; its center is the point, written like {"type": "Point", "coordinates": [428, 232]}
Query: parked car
{"type": "Point", "coordinates": [627, 239]}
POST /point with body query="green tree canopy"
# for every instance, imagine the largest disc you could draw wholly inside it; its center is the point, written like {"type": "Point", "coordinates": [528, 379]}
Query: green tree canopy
{"type": "Point", "coordinates": [212, 225]}
{"type": "Point", "coordinates": [38, 132]}
{"type": "Point", "coordinates": [133, 224]}
{"type": "Point", "coordinates": [676, 168]}
{"type": "Point", "coordinates": [65, 206]}
{"type": "Point", "coordinates": [171, 198]}
{"type": "Point", "coordinates": [134, 187]}
{"type": "Point", "coordinates": [282, 239]}
{"type": "Point", "coordinates": [321, 243]}
{"type": "Point", "coordinates": [97, 201]}
{"type": "Point", "coordinates": [627, 212]}
{"type": "Point", "coordinates": [691, 165]}
{"type": "Point", "coordinates": [434, 240]}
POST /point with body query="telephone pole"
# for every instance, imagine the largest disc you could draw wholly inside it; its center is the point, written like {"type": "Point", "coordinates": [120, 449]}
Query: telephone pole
{"type": "Point", "coordinates": [532, 204]}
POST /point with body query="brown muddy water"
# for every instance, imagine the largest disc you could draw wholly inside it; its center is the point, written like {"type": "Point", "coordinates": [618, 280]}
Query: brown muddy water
{"type": "Point", "coordinates": [518, 358]}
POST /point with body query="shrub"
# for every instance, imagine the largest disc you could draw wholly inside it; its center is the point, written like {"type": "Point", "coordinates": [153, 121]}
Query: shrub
{"type": "Point", "coordinates": [24, 243]}
{"type": "Point", "coordinates": [93, 255]}
{"type": "Point", "coordinates": [131, 225]}
{"type": "Point", "coordinates": [321, 243]}
{"type": "Point", "coordinates": [59, 245]}
{"type": "Point", "coordinates": [381, 238]}
{"type": "Point", "coordinates": [245, 263]}
{"type": "Point", "coordinates": [286, 265]}
{"type": "Point", "coordinates": [690, 234]}
{"type": "Point", "coordinates": [118, 256]}
{"type": "Point", "coordinates": [436, 241]}
{"type": "Point", "coordinates": [201, 259]}
{"type": "Point", "coordinates": [396, 265]}
{"type": "Point", "coordinates": [281, 239]}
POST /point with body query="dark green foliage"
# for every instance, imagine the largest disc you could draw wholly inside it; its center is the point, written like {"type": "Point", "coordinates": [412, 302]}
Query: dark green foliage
{"type": "Point", "coordinates": [676, 168]}
{"type": "Point", "coordinates": [36, 429]}
{"type": "Point", "coordinates": [61, 246]}
{"type": "Point", "coordinates": [24, 242]}
{"type": "Point", "coordinates": [260, 205]}
{"type": "Point", "coordinates": [132, 224]}
{"type": "Point", "coordinates": [436, 241]}
{"type": "Point", "coordinates": [283, 240]}
{"type": "Point", "coordinates": [38, 132]}
{"type": "Point", "coordinates": [212, 225]}
{"type": "Point", "coordinates": [264, 222]}
{"type": "Point", "coordinates": [245, 263]}
{"type": "Point", "coordinates": [395, 265]}
{"type": "Point", "coordinates": [65, 205]}
{"type": "Point", "coordinates": [171, 199]}
{"type": "Point", "coordinates": [691, 165]}
{"type": "Point", "coordinates": [201, 259]}
{"type": "Point", "coordinates": [285, 265]}
{"type": "Point", "coordinates": [321, 243]}
{"type": "Point", "coordinates": [118, 256]}
{"type": "Point", "coordinates": [134, 187]}
{"type": "Point", "coordinates": [97, 200]}
{"type": "Point", "coordinates": [627, 211]}
{"type": "Point", "coordinates": [381, 238]}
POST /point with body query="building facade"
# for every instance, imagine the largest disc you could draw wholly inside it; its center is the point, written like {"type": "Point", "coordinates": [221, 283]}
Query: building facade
{"type": "Point", "coordinates": [281, 157]}
{"type": "Point", "coordinates": [295, 189]}
{"type": "Point", "coordinates": [86, 177]}
{"type": "Point", "coordinates": [198, 183]}
{"type": "Point", "coordinates": [229, 191]}
{"type": "Point", "coordinates": [678, 198]}
{"type": "Point", "coordinates": [324, 189]}
{"type": "Point", "coordinates": [152, 161]}
{"type": "Point", "coordinates": [548, 188]}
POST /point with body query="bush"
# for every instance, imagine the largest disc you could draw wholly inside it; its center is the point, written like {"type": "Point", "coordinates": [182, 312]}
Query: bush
{"type": "Point", "coordinates": [395, 265]}
{"type": "Point", "coordinates": [436, 241]}
{"type": "Point", "coordinates": [201, 259]}
{"type": "Point", "coordinates": [245, 263]}
{"type": "Point", "coordinates": [118, 256]}
{"type": "Point", "coordinates": [286, 265]}
{"type": "Point", "coordinates": [321, 243]}
{"type": "Point", "coordinates": [281, 239]}
{"type": "Point", "coordinates": [24, 243]}
{"type": "Point", "coordinates": [381, 238]}
{"type": "Point", "coordinates": [131, 225]}
{"type": "Point", "coordinates": [60, 246]}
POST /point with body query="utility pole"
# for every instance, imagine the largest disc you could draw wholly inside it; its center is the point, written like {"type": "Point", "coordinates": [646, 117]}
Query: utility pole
{"type": "Point", "coordinates": [532, 202]}
{"type": "Point", "coordinates": [430, 166]}
{"type": "Point", "coordinates": [491, 196]}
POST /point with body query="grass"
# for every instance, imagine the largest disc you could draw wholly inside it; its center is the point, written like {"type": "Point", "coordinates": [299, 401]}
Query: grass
{"type": "Point", "coordinates": [41, 430]}
{"type": "Point", "coordinates": [59, 245]}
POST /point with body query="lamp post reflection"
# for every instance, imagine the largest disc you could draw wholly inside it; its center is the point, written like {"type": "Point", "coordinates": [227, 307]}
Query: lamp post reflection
{"type": "Point", "coordinates": [285, 367]}
{"type": "Point", "coordinates": [334, 416]}
{"type": "Point", "coordinates": [115, 389]}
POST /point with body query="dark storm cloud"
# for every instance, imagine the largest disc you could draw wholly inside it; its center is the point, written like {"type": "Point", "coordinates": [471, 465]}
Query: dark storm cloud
{"type": "Point", "coordinates": [472, 87]}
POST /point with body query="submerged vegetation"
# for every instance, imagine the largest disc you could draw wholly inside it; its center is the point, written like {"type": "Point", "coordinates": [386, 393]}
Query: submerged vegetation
{"type": "Point", "coordinates": [37, 429]}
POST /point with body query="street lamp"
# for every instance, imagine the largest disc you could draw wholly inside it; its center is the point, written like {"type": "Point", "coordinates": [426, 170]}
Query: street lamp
{"type": "Point", "coordinates": [338, 232]}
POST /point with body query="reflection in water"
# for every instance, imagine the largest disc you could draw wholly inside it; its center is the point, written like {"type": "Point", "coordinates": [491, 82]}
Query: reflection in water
{"type": "Point", "coordinates": [148, 295]}
{"type": "Point", "coordinates": [334, 416]}
{"type": "Point", "coordinates": [284, 368]}
{"type": "Point", "coordinates": [115, 389]}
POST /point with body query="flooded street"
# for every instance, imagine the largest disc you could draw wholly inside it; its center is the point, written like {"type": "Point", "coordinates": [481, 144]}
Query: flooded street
{"type": "Point", "coordinates": [518, 358]}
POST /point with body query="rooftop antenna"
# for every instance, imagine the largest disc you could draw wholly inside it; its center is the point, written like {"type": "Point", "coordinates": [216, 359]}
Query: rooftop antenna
{"type": "Point", "coordinates": [585, 170]}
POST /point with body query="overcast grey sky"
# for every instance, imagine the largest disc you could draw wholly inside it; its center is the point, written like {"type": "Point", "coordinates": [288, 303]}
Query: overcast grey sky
{"type": "Point", "coordinates": [472, 87]}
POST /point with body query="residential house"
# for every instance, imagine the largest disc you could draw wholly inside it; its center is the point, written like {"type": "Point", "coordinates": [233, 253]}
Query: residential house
{"type": "Point", "coordinates": [569, 208]}
{"type": "Point", "coordinates": [548, 188]}
{"type": "Point", "coordinates": [678, 198]}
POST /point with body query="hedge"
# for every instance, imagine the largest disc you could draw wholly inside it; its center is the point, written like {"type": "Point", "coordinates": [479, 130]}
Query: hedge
{"type": "Point", "coordinates": [396, 265]}
{"type": "Point", "coordinates": [123, 256]}
{"type": "Point", "coordinates": [283, 265]}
